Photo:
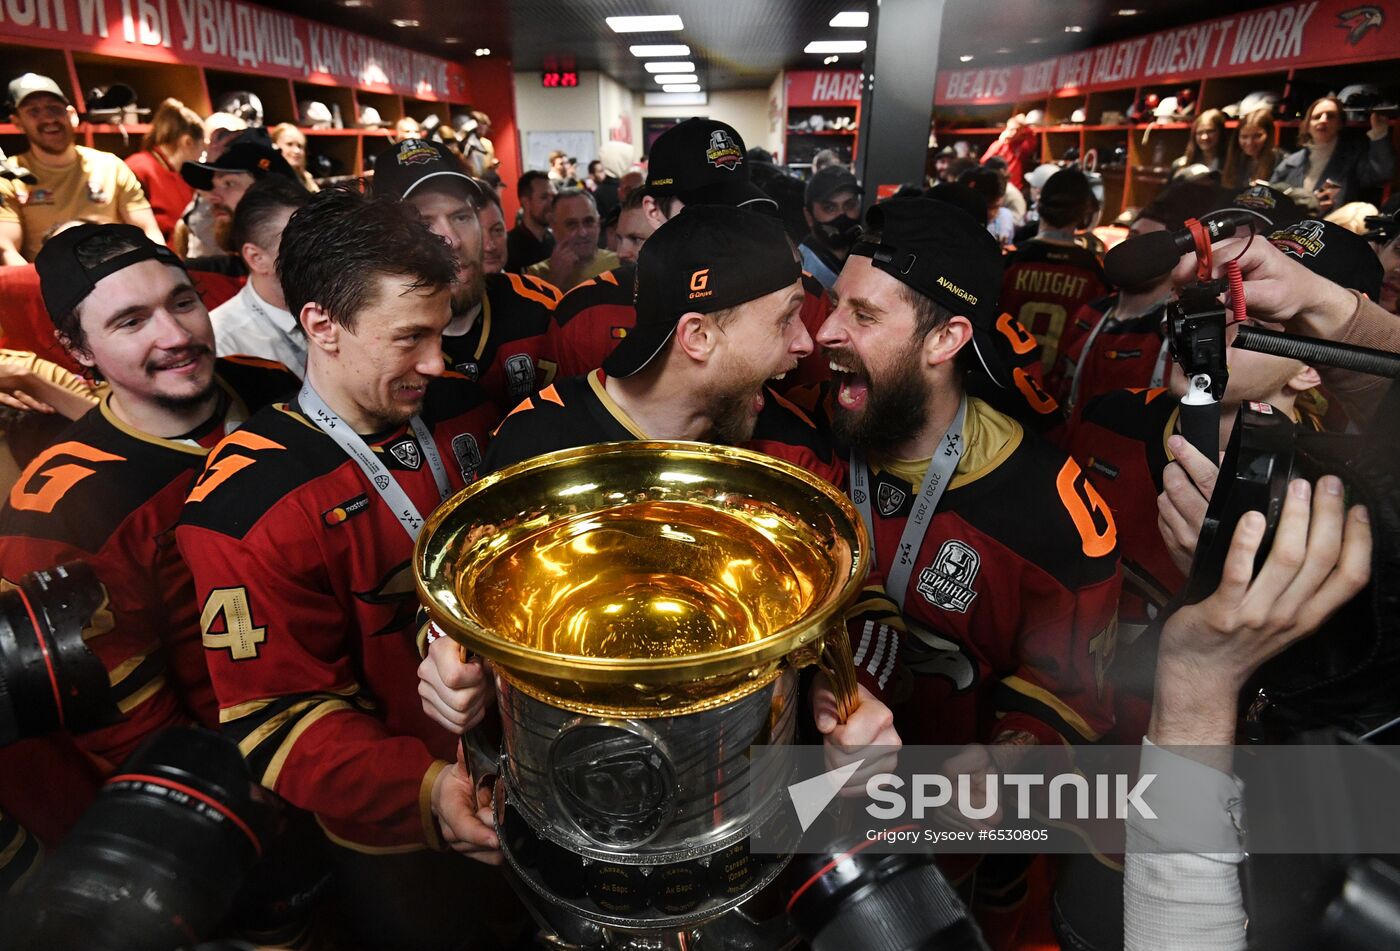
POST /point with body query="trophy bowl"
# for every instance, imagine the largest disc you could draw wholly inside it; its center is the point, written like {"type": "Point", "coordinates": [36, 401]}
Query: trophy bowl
{"type": "Point", "coordinates": [644, 607]}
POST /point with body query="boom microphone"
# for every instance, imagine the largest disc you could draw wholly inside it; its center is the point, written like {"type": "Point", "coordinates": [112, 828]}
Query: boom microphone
{"type": "Point", "coordinates": [1146, 257]}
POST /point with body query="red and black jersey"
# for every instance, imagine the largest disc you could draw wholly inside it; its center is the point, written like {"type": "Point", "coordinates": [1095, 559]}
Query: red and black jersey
{"type": "Point", "coordinates": [1120, 438]}
{"type": "Point", "coordinates": [595, 315]}
{"type": "Point", "coordinates": [1026, 397]}
{"type": "Point", "coordinates": [1011, 602]}
{"type": "Point", "coordinates": [305, 581]}
{"type": "Point", "coordinates": [1045, 284]}
{"type": "Point", "coordinates": [503, 348]}
{"type": "Point", "coordinates": [1124, 354]}
{"type": "Point", "coordinates": [577, 411]}
{"type": "Point", "coordinates": [110, 495]}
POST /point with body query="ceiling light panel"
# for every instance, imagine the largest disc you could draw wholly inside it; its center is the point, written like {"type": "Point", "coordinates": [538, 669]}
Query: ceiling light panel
{"type": "Point", "coordinates": [658, 24]}
{"type": "Point", "coordinates": [661, 49]}
{"type": "Point", "coordinates": [835, 46]}
{"type": "Point", "coordinates": [851, 18]}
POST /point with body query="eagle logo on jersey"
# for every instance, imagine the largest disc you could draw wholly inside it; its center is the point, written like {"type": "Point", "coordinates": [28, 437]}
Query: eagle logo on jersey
{"type": "Point", "coordinates": [933, 654]}
{"type": "Point", "coordinates": [947, 583]}
{"type": "Point", "coordinates": [468, 455]}
{"type": "Point", "coordinates": [395, 591]}
{"type": "Point", "coordinates": [722, 152]}
{"type": "Point", "coordinates": [407, 453]}
{"type": "Point", "coordinates": [889, 498]}
{"type": "Point", "coordinates": [520, 375]}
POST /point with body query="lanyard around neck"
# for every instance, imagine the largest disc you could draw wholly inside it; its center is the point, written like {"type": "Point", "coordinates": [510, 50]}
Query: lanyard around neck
{"type": "Point", "coordinates": [940, 472]}
{"type": "Point", "coordinates": [378, 474]}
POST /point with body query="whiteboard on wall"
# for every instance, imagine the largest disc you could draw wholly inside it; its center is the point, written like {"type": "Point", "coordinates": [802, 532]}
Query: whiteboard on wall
{"type": "Point", "coordinates": [580, 145]}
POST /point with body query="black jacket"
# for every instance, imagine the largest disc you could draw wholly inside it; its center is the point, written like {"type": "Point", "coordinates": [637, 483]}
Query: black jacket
{"type": "Point", "coordinates": [1359, 163]}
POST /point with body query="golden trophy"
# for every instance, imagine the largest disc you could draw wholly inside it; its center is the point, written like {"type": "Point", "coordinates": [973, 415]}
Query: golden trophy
{"type": "Point", "coordinates": [644, 607]}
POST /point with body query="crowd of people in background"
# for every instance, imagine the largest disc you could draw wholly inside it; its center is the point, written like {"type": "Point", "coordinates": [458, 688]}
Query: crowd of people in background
{"type": "Point", "coordinates": [457, 342]}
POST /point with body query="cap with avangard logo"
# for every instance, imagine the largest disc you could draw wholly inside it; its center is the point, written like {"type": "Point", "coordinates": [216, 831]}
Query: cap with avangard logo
{"type": "Point", "coordinates": [943, 253]}
{"type": "Point", "coordinates": [701, 162]}
{"type": "Point", "coordinates": [400, 169]}
{"type": "Point", "coordinates": [251, 151]}
{"type": "Point", "coordinates": [704, 259]}
{"type": "Point", "coordinates": [69, 269]}
{"type": "Point", "coordinates": [1333, 252]}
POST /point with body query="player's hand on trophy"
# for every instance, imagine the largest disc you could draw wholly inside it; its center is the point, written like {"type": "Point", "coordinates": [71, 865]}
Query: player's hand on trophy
{"type": "Point", "coordinates": [463, 812]}
{"type": "Point", "coordinates": [870, 729]}
{"type": "Point", "coordinates": [456, 694]}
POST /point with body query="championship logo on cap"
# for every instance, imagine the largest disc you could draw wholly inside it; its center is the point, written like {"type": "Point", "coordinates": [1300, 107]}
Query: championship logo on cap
{"type": "Point", "coordinates": [722, 152]}
{"type": "Point", "coordinates": [1303, 240]}
{"type": "Point", "coordinates": [416, 152]}
{"type": "Point", "coordinates": [1257, 196]}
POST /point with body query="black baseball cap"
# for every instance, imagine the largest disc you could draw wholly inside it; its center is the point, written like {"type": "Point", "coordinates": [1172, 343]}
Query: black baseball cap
{"type": "Point", "coordinates": [960, 196]}
{"type": "Point", "coordinates": [828, 182]}
{"type": "Point", "coordinates": [65, 281]}
{"type": "Point", "coordinates": [945, 254]}
{"type": "Point", "coordinates": [1181, 200]}
{"type": "Point", "coordinates": [705, 259]}
{"type": "Point", "coordinates": [1333, 252]}
{"type": "Point", "coordinates": [702, 162]}
{"type": "Point", "coordinates": [251, 151]}
{"type": "Point", "coordinates": [400, 169]}
{"type": "Point", "coordinates": [1275, 204]}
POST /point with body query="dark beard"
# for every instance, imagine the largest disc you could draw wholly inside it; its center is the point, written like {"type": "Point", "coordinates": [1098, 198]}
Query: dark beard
{"type": "Point", "coordinates": [179, 404]}
{"type": "Point", "coordinates": [733, 423]}
{"type": "Point", "coordinates": [894, 411]}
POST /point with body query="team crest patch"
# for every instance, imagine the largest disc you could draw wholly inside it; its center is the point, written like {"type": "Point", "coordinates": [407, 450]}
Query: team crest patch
{"type": "Point", "coordinates": [520, 375]}
{"type": "Point", "coordinates": [858, 497]}
{"type": "Point", "coordinates": [382, 481]}
{"type": "Point", "coordinates": [1303, 240]}
{"type": "Point", "coordinates": [467, 454]}
{"type": "Point", "coordinates": [407, 453]}
{"type": "Point", "coordinates": [889, 498]}
{"type": "Point", "coordinates": [947, 583]}
{"type": "Point", "coordinates": [470, 369]}
{"type": "Point", "coordinates": [722, 152]}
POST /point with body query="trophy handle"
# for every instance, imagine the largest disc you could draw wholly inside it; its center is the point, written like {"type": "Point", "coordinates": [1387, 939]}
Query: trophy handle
{"type": "Point", "coordinates": [481, 748]}
{"type": "Point", "coordinates": [840, 669]}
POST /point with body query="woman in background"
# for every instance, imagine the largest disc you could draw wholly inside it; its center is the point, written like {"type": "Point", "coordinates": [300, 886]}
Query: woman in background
{"type": "Point", "coordinates": [1207, 134]}
{"type": "Point", "coordinates": [1252, 155]}
{"type": "Point", "coordinates": [292, 144]}
{"type": "Point", "coordinates": [176, 137]}
{"type": "Point", "coordinates": [1337, 166]}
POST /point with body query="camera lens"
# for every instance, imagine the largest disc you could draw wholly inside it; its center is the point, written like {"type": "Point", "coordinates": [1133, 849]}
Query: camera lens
{"type": "Point", "coordinates": [858, 898]}
{"type": "Point", "coordinates": [157, 861]}
{"type": "Point", "coordinates": [49, 679]}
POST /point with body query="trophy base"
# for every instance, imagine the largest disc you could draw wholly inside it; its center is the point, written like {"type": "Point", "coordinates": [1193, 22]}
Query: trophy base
{"type": "Point", "coordinates": [646, 903]}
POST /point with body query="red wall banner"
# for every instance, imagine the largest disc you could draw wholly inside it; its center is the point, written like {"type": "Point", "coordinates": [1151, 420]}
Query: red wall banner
{"type": "Point", "coordinates": [1288, 36]}
{"type": "Point", "coordinates": [823, 88]}
{"type": "Point", "coordinates": [232, 34]}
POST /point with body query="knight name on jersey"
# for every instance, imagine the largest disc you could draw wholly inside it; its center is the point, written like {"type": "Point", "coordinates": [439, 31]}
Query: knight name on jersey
{"type": "Point", "coordinates": [1061, 283]}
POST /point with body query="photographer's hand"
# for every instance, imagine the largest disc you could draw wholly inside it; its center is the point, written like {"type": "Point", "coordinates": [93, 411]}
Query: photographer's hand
{"type": "Point", "coordinates": [1187, 485]}
{"type": "Point", "coordinates": [1278, 288]}
{"type": "Point", "coordinates": [1318, 562]}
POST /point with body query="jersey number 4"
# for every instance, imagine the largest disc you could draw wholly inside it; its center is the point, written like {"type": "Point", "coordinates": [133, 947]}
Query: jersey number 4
{"type": "Point", "coordinates": [239, 635]}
